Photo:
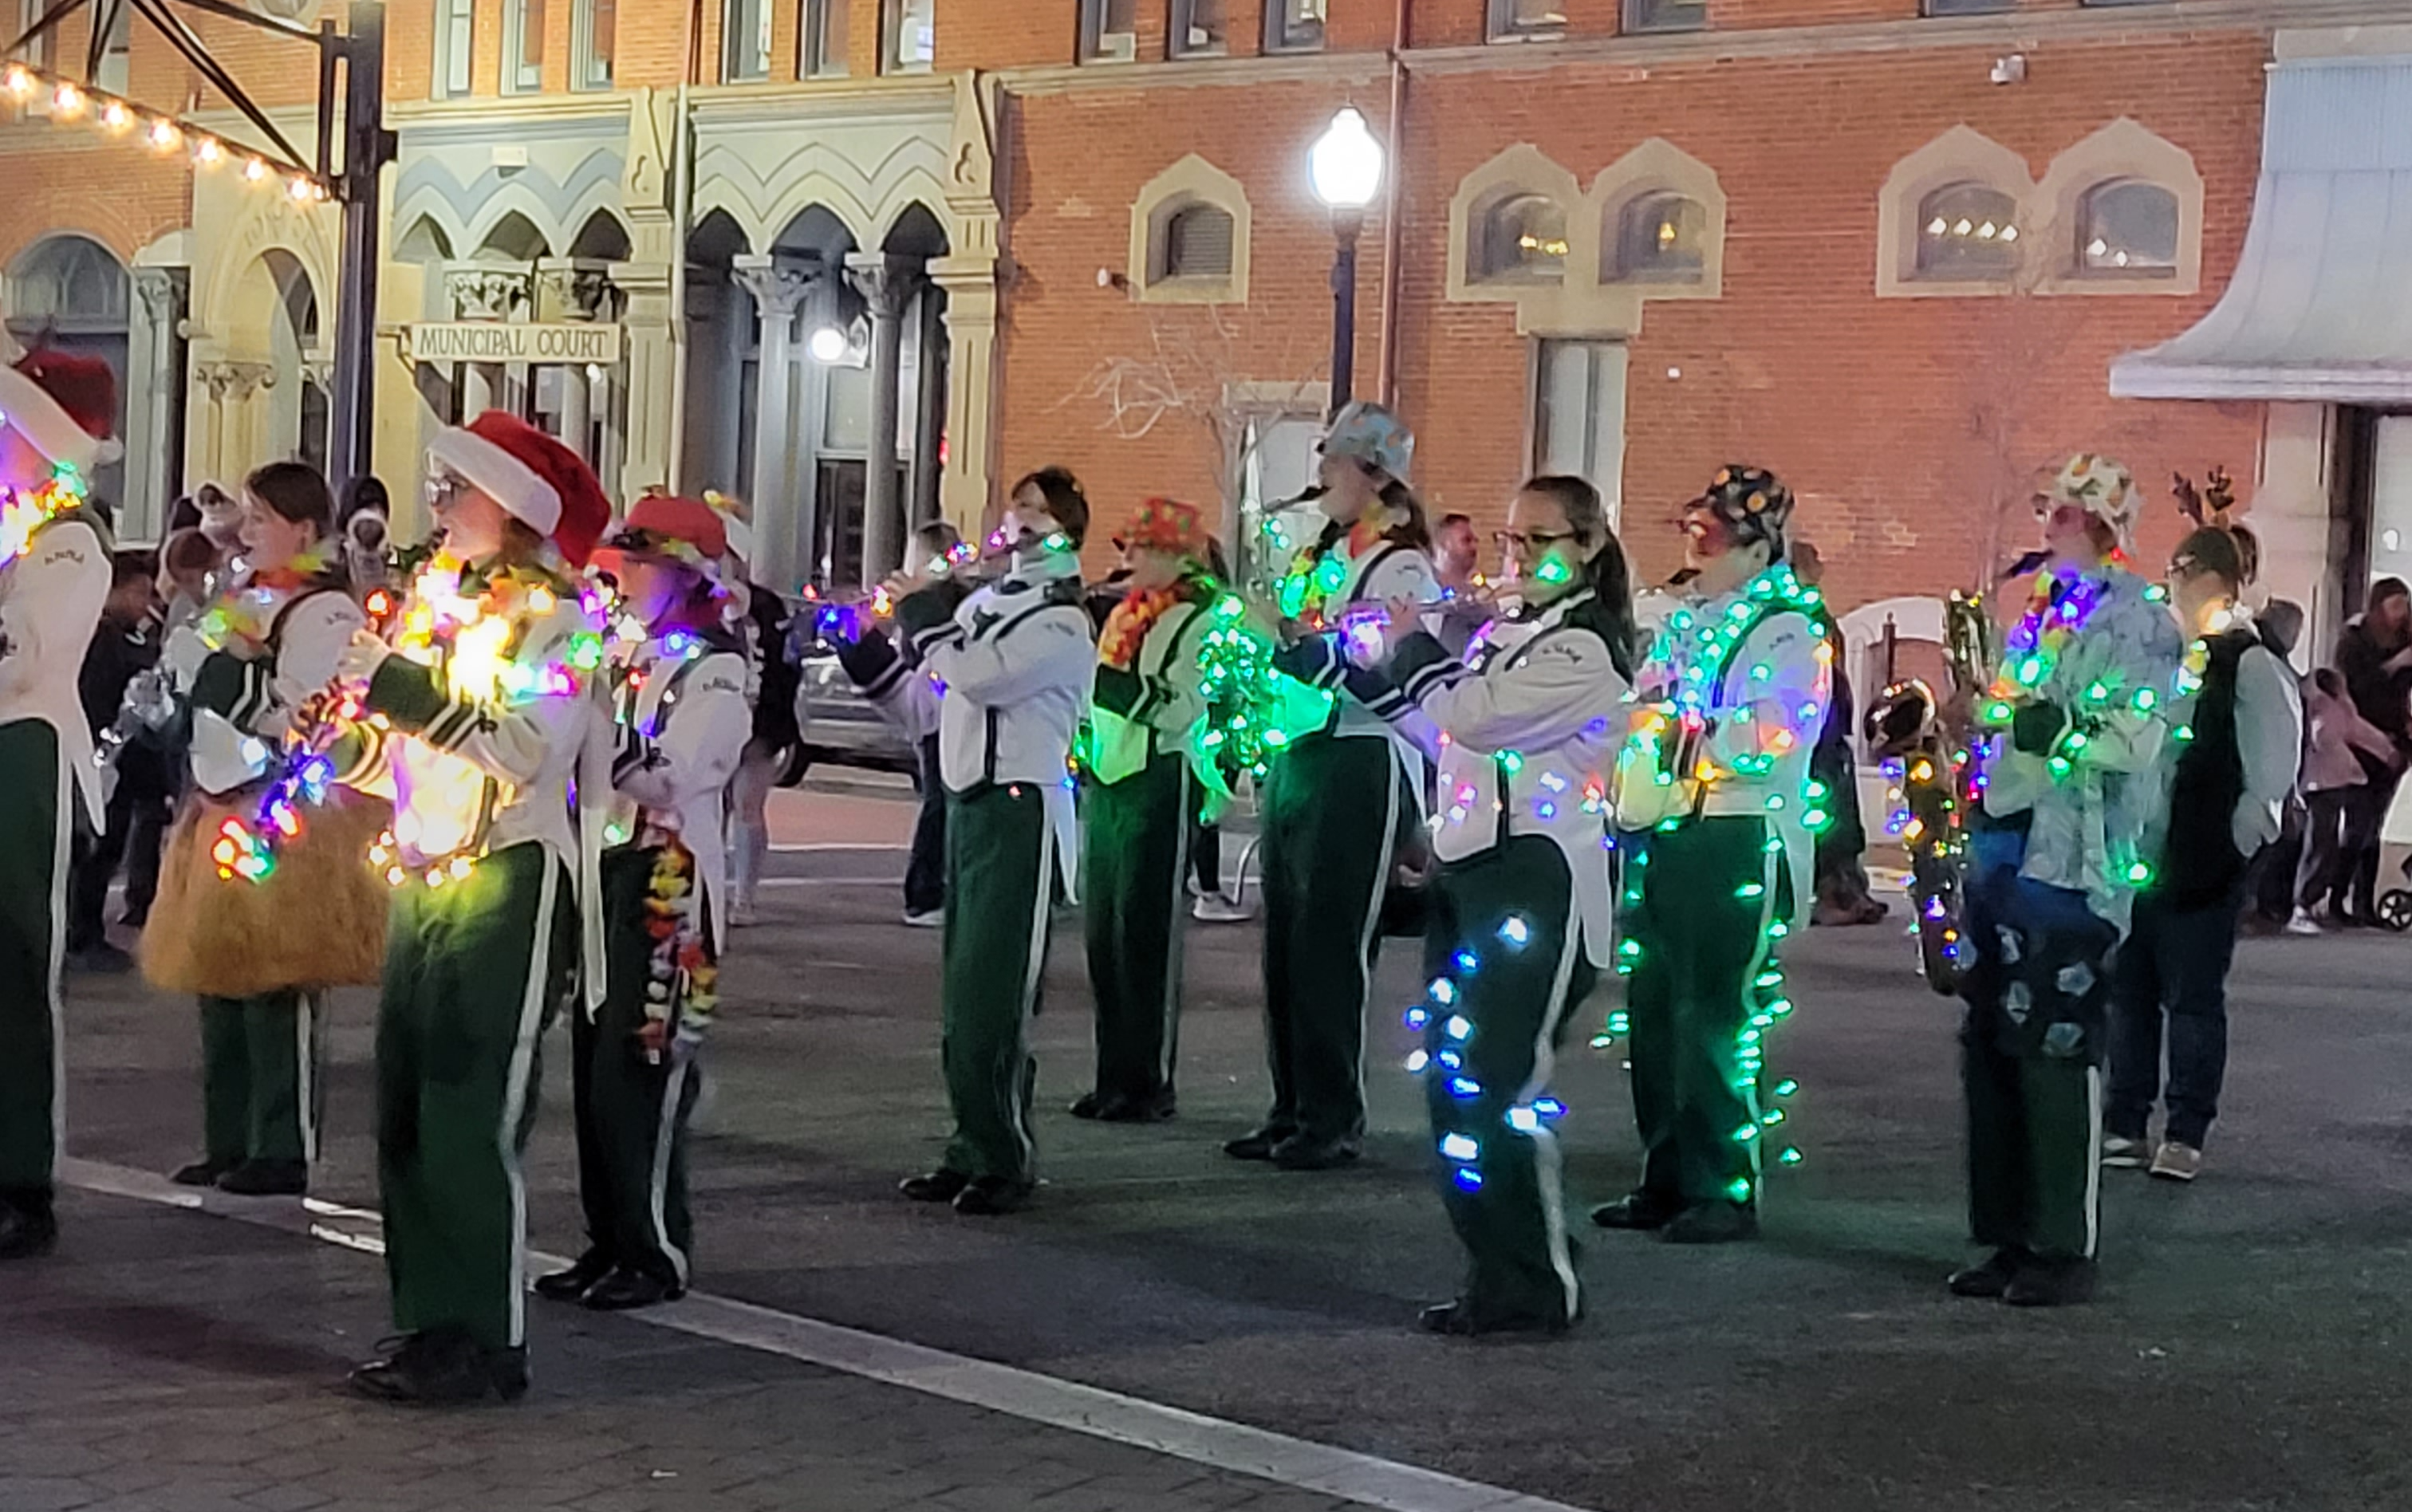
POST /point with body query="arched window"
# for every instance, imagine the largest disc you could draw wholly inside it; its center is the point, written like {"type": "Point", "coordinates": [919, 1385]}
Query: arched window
{"type": "Point", "coordinates": [1661, 239]}
{"type": "Point", "coordinates": [2128, 229]}
{"type": "Point", "coordinates": [1522, 238]}
{"type": "Point", "coordinates": [68, 282]}
{"type": "Point", "coordinates": [1969, 231]}
{"type": "Point", "coordinates": [1196, 242]}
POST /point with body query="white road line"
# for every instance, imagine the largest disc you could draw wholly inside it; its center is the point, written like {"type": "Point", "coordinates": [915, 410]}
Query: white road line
{"type": "Point", "coordinates": [1213, 1442]}
{"type": "Point", "coordinates": [837, 844]}
{"type": "Point", "coordinates": [831, 882]}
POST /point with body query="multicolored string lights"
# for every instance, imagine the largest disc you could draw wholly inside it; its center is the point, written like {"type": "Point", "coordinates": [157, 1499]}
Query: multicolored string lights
{"type": "Point", "coordinates": [70, 102]}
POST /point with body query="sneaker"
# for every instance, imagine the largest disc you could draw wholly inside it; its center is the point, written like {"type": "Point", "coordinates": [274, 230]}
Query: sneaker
{"type": "Point", "coordinates": [2177, 1162]}
{"type": "Point", "coordinates": [2126, 1155]}
{"type": "Point", "coordinates": [925, 918]}
{"type": "Point", "coordinates": [2302, 922]}
{"type": "Point", "coordinates": [1214, 908]}
{"type": "Point", "coordinates": [743, 916]}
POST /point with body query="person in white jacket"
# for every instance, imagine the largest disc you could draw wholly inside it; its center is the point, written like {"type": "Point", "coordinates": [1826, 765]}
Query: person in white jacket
{"type": "Point", "coordinates": [681, 721]}
{"type": "Point", "coordinates": [1531, 720]}
{"type": "Point", "coordinates": [56, 412]}
{"type": "Point", "coordinates": [253, 658]}
{"type": "Point", "coordinates": [480, 716]}
{"type": "Point", "coordinates": [1016, 659]}
{"type": "Point", "coordinates": [1714, 787]}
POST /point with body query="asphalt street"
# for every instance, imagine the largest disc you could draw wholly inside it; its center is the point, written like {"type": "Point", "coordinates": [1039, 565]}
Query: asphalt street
{"type": "Point", "coordinates": [2245, 1353]}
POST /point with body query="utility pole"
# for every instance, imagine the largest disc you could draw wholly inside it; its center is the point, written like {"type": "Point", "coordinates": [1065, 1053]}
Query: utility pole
{"type": "Point", "coordinates": [368, 147]}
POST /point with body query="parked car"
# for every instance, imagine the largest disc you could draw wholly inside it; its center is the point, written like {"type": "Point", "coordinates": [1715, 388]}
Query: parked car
{"type": "Point", "coordinates": [840, 727]}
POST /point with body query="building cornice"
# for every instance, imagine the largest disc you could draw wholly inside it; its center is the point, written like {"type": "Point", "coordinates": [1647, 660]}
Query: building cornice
{"type": "Point", "coordinates": [488, 110]}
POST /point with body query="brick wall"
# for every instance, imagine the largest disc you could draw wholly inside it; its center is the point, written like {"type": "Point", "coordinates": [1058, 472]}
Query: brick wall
{"type": "Point", "coordinates": [1902, 422]}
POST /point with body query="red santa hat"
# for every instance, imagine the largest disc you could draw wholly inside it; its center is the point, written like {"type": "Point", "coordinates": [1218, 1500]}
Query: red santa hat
{"type": "Point", "coordinates": [536, 480]}
{"type": "Point", "coordinates": [65, 403]}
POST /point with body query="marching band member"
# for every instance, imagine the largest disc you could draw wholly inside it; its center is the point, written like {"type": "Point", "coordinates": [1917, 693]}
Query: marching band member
{"type": "Point", "coordinates": [1016, 659]}
{"type": "Point", "coordinates": [2054, 866]}
{"type": "Point", "coordinates": [1530, 722]}
{"type": "Point", "coordinates": [1147, 707]}
{"type": "Point", "coordinates": [55, 413]}
{"type": "Point", "coordinates": [679, 671]}
{"type": "Point", "coordinates": [1335, 801]}
{"type": "Point", "coordinates": [248, 664]}
{"type": "Point", "coordinates": [479, 717]}
{"type": "Point", "coordinates": [1715, 783]}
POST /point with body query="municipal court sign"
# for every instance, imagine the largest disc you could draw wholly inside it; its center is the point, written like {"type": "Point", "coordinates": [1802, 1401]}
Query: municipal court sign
{"type": "Point", "coordinates": [497, 340]}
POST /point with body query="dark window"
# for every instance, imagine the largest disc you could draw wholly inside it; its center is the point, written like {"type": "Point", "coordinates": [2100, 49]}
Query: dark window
{"type": "Point", "coordinates": [1666, 15]}
{"type": "Point", "coordinates": [1108, 31]}
{"type": "Point", "coordinates": [1196, 243]}
{"type": "Point", "coordinates": [1966, 8]}
{"type": "Point", "coordinates": [1521, 238]}
{"type": "Point", "coordinates": [1662, 238]}
{"type": "Point", "coordinates": [1511, 20]}
{"type": "Point", "coordinates": [1294, 26]}
{"type": "Point", "coordinates": [824, 39]}
{"type": "Point", "coordinates": [1199, 29]}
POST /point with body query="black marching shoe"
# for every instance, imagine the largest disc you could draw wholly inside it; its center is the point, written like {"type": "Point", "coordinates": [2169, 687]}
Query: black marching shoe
{"type": "Point", "coordinates": [1088, 1105]}
{"type": "Point", "coordinates": [1154, 1107]}
{"type": "Point", "coordinates": [203, 1172]}
{"type": "Point", "coordinates": [993, 1196]}
{"type": "Point", "coordinates": [1712, 1223]}
{"type": "Point", "coordinates": [1989, 1277]}
{"type": "Point", "coordinates": [1258, 1145]}
{"type": "Point", "coordinates": [940, 1185]}
{"type": "Point", "coordinates": [625, 1290]}
{"type": "Point", "coordinates": [575, 1282]}
{"type": "Point", "coordinates": [1305, 1153]}
{"type": "Point", "coordinates": [2050, 1283]}
{"type": "Point", "coordinates": [1639, 1211]}
{"type": "Point", "coordinates": [442, 1367]}
{"type": "Point", "coordinates": [26, 1229]}
{"type": "Point", "coordinates": [267, 1179]}
{"type": "Point", "coordinates": [1466, 1319]}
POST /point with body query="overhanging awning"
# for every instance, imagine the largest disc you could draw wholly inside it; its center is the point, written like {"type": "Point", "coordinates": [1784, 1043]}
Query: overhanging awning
{"type": "Point", "coordinates": [2320, 308]}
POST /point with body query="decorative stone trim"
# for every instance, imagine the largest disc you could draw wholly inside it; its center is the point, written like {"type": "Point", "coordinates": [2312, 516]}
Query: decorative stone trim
{"type": "Point", "coordinates": [1189, 183]}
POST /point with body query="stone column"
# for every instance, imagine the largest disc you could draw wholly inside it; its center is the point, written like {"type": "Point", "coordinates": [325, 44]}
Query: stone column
{"type": "Point", "coordinates": [779, 287]}
{"type": "Point", "coordinates": [929, 407]}
{"type": "Point", "coordinates": [236, 441]}
{"type": "Point", "coordinates": [885, 284]}
{"type": "Point", "coordinates": [970, 283]}
{"type": "Point", "coordinates": [150, 445]}
{"type": "Point", "coordinates": [579, 293]}
{"type": "Point", "coordinates": [484, 294]}
{"type": "Point", "coordinates": [648, 417]}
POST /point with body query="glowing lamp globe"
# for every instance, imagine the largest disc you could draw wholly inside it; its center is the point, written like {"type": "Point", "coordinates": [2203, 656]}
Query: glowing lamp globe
{"type": "Point", "coordinates": [1345, 163]}
{"type": "Point", "coordinates": [828, 345]}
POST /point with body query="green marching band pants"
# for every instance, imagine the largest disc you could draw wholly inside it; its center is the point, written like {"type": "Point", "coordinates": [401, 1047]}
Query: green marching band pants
{"type": "Point", "coordinates": [1332, 814]}
{"type": "Point", "coordinates": [1504, 958]}
{"type": "Point", "coordinates": [632, 1110]}
{"type": "Point", "coordinates": [1703, 906]}
{"type": "Point", "coordinates": [1136, 884]}
{"type": "Point", "coordinates": [35, 830]}
{"type": "Point", "coordinates": [2031, 1057]}
{"type": "Point", "coordinates": [260, 1078]}
{"type": "Point", "coordinates": [1000, 901]}
{"type": "Point", "coordinates": [473, 972]}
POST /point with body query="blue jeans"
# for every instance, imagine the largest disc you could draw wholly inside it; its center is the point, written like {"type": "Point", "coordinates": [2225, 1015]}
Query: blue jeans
{"type": "Point", "coordinates": [2175, 962]}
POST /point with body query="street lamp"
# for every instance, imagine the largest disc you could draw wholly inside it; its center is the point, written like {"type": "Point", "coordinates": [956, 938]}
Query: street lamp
{"type": "Point", "coordinates": [1346, 166]}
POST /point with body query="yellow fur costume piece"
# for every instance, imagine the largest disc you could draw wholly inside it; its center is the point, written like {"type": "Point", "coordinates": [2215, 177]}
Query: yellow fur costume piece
{"type": "Point", "coordinates": [318, 921]}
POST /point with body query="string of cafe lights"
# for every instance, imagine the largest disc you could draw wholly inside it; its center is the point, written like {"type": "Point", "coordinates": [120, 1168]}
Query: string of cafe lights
{"type": "Point", "coordinates": [72, 102]}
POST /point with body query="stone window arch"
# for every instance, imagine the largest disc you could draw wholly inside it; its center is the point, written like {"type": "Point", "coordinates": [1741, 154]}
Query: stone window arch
{"type": "Point", "coordinates": [1662, 219]}
{"type": "Point", "coordinates": [1956, 218]}
{"type": "Point", "coordinates": [2139, 198]}
{"type": "Point", "coordinates": [1189, 237]}
{"type": "Point", "coordinates": [1518, 238]}
{"type": "Point", "coordinates": [1516, 231]}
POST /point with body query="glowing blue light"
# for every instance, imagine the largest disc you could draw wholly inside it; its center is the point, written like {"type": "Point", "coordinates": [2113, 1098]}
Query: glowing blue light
{"type": "Point", "coordinates": [1464, 1087]}
{"type": "Point", "coordinates": [1457, 1027]}
{"type": "Point", "coordinates": [1523, 1120]}
{"type": "Point", "coordinates": [1444, 991]}
{"type": "Point", "coordinates": [1469, 1179]}
{"type": "Point", "coordinates": [1515, 931]}
{"type": "Point", "coordinates": [1418, 1018]}
{"type": "Point", "coordinates": [1459, 1147]}
{"type": "Point", "coordinates": [1466, 962]}
{"type": "Point", "coordinates": [1417, 1061]}
{"type": "Point", "coordinates": [1550, 1108]}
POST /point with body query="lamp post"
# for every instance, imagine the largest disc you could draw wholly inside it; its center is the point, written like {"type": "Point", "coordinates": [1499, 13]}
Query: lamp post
{"type": "Point", "coordinates": [1346, 167]}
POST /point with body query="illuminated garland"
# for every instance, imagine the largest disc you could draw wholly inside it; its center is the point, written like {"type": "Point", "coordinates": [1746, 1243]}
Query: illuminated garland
{"type": "Point", "coordinates": [1447, 1033]}
{"type": "Point", "coordinates": [1247, 699]}
{"type": "Point", "coordinates": [71, 100]}
{"type": "Point", "coordinates": [24, 515]}
{"type": "Point", "coordinates": [471, 640]}
{"type": "Point", "coordinates": [2038, 643]}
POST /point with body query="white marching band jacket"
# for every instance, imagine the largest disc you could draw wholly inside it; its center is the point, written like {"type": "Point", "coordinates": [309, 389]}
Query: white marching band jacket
{"type": "Point", "coordinates": [1529, 725]}
{"type": "Point", "coordinates": [305, 628]}
{"type": "Point", "coordinates": [50, 600]}
{"type": "Point", "coordinates": [1156, 705]}
{"type": "Point", "coordinates": [683, 718]}
{"type": "Point", "coordinates": [1376, 575]}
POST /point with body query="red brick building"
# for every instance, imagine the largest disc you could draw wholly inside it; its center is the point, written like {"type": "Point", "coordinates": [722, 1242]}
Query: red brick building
{"type": "Point", "coordinates": [1891, 253]}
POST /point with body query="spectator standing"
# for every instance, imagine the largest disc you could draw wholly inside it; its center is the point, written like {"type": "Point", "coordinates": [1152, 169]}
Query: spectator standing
{"type": "Point", "coordinates": [2226, 787]}
{"type": "Point", "coordinates": [124, 647]}
{"type": "Point", "coordinates": [2374, 654]}
{"type": "Point", "coordinates": [1466, 600]}
{"type": "Point", "coordinates": [2337, 740]}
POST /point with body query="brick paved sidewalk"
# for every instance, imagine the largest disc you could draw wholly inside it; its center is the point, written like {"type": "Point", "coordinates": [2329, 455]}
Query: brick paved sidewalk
{"type": "Point", "coordinates": [167, 1362]}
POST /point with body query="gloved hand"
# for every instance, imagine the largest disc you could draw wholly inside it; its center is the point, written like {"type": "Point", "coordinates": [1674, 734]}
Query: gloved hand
{"type": "Point", "coordinates": [2038, 726]}
{"type": "Point", "coordinates": [361, 657]}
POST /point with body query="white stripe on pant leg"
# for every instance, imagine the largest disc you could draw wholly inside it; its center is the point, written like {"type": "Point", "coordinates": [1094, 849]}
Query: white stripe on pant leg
{"type": "Point", "coordinates": [1041, 914]}
{"type": "Point", "coordinates": [1548, 1161]}
{"type": "Point", "coordinates": [306, 1072]}
{"type": "Point", "coordinates": [665, 1134]}
{"type": "Point", "coordinates": [1168, 999]}
{"type": "Point", "coordinates": [62, 849]}
{"type": "Point", "coordinates": [2092, 1159]}
{"type": "Point", "coordinates": [515, 1085]}
{"type": "Point", "coordinates": [1365, 937]}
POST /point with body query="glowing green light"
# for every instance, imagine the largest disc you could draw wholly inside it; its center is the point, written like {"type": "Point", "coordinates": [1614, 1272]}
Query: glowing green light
{"type": "Point", "coordinates": [2143, 700]}
{"type": "Point", "coordinates": [1552, 571]}
{"type": "Point", "coordinates": [2139, 873]}
{"type": "Point", "coordinates": [2155, 594]}
{"type": "Point", "coordinates": [2096, 692]}
{"type": "Point", "coordinates": [1511, 762]}
{"type": "Point", "coordinates": [2030, 671]}
{"type": "Point", "coordinates": [1792, 1155]}
{"type": "Point", "coordinates": [1750, 890]}
{"type": "Point", "coordinates": [1787, 1087]}
{"type": "Point", "coordinates": [1739, 1189]}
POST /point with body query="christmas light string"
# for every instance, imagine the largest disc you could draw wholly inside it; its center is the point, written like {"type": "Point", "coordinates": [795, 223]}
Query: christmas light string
{"type": "Point", "coordinates": [71, 100]}
{"type": "Point", "coordinates": [22, 515]}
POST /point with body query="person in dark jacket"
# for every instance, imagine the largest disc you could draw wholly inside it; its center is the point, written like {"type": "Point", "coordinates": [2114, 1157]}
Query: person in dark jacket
{"type": "Point", "coordinates": [2226, 786]}
{"type": "Point", "coordinates": [124, 647]}
{"type": "Point", "coordinates": [2374, 653]}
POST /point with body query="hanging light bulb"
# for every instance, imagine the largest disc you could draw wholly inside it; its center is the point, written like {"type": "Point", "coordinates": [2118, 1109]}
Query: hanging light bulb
{"type": "Point", "coordinates": [67, 101]}
{"type": "Point", "coordinates": [163, 136]}
{"type": "Point", "coordinates": [254, 170]}
{"type": "Point", "coordinates": [18, 82]}
{"type": "Point", "coordinates": [115, 116]}
{"type": "Point", "coordinates": [207, 153]}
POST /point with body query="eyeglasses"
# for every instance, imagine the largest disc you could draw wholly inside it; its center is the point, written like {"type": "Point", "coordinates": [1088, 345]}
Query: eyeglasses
{"type": "Point", "coordinates": [444, 485]}
{"type": "Point", "coordinates": [1527, 543]}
